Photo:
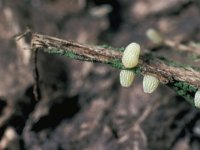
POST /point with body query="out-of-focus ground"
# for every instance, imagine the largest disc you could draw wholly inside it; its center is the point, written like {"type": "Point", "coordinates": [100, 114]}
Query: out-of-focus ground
{"type": "Point", "coordinates": [83, 106]}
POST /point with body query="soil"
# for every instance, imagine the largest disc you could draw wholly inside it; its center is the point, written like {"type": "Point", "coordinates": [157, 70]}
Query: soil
{"type": "Point", "coordinates": [82, 105]}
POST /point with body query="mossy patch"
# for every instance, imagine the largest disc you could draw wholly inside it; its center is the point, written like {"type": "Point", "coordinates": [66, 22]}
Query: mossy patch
{"type": "Point", "coordinates": [193, 57]}
{"type": "Point", "coordinates": [185, 90]}
{"type": "Point", "coordinates": [61, 52]}
{"type": "Point", "coordinates": [117, 64]}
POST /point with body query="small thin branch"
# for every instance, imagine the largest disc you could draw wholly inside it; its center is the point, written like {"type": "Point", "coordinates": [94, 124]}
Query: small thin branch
{"type": "Point", "coordinates": [36, 87]}
{"type": "Point", "coordinates": [181, 47]}
{"type": "Point", "coordinates": [184, 79]}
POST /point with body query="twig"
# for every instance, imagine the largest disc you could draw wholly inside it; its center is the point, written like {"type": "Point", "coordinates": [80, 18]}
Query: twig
{"type": "Point", "coordinates": [36, 87]}
{"type": "Point", "coordinates": [181, 47]}
{"type": "Point", "coordinates": [184, 79]}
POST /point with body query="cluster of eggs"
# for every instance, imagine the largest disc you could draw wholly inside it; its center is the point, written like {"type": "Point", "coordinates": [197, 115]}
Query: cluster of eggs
{"type": "Point", "coordinates": [130, 60]}
{"type": "Point", "coordinates": [155, 37]}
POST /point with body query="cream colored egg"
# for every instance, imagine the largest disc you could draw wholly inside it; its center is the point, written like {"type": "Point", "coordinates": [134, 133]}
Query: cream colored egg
{"type": "Point", "coordinates": [150, 83]}
{"type": "Point", "coordinates": [130, 56]}
{"type": "Point", "coordinates": [197, 99]}
{"type": "Point", "coordinates": [154, 36]}
{"type": "Point", "coordinates": [126, 78]}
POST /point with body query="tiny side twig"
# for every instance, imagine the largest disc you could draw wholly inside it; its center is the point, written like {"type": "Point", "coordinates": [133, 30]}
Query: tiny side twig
{"type": "Point", "coordinates": [181, 47]}
{"type": "Point", "coordinates": [36, 87]}
{"type": "Point", "coordinates": [184, 79]}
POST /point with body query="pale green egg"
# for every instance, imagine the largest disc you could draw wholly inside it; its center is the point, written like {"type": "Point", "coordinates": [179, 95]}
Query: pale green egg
{"type": "Point", "coordinates": [150, 83]}
{"type": "Point", "coordinates": [126, 78]}
{"type": "Point", "coordinates": [154, 36]}
{"type": "Point", "coordinates": [130, 56]}
{"type": "Point", "coordinates": [197, 99]}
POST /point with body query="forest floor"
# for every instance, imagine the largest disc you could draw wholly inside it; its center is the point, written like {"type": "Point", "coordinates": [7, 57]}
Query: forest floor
{"type": "Point", "coordinates": [83, 106]}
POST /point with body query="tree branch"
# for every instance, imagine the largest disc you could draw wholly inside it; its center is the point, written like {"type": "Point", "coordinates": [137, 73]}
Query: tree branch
{"type": "Point", "coordinates": [184, 79]}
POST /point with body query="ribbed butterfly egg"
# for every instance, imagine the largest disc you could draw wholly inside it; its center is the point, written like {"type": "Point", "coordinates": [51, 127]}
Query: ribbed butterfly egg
{"type": "Point", "coordinates": [154, 36]}
{"type": "Point", "coordinates": [130, 56]}
{"type": "Point", "coordinates": [197, 99]}
{"type": "Point", "coordinates": [126, 78]}
{"type": "Point", "coordinates": [150, 83]}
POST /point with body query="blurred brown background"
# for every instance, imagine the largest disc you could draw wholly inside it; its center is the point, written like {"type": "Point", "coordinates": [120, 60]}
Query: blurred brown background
{"type": "Point", "coordinates": [83, 106]}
